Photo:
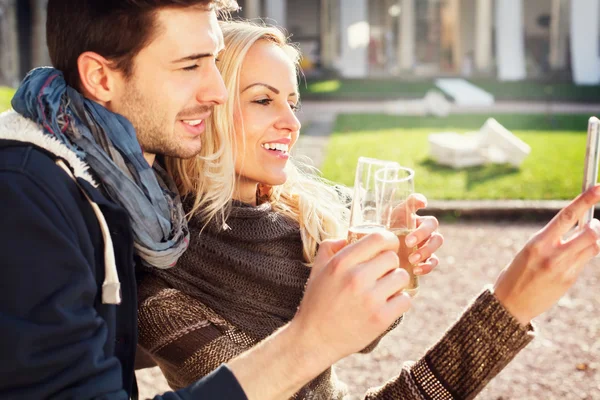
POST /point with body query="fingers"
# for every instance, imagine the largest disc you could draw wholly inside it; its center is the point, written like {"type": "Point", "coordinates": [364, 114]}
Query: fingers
{"type": "Point", "coordinates": [426, 226]}
{"type": "Point", "coordinates": [568, 216]}
{"type": "Point", "coordinates": [327, 249]}
{"type": "Point", "coordinates": [394, 308]}
{"type": "Point", "coordinates": [583, 238]}
{"type": "Point", "coordinates": [331, 246]}
{"type": "Point", "coordinates": [391, 284]}
{"type": "Point", "coordinates": [365, 250]}
{"type": "Point", "coordinates": [369, 273]}
{"type": "Point", "coordinates": [426, 267]}
{"type": "Point", "coordinates": [427, 249]}
{"type": "Point", "coordinates": [415, 202]}
{"type": "Point", "coordinates": [402, 213]}
{"type": "Point", "coordinates": [583, 257]}
{"type": "Point", "coordinates": [426, 232]}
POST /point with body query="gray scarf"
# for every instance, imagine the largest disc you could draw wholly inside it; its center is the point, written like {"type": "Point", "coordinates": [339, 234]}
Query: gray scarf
{"type": "Point", "coordinates": [108, 144]}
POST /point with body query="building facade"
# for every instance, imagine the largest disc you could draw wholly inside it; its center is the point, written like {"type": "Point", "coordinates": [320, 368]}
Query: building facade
{"type": "Point", "coordinates": [506, 39]}
{"type": "Point", "coordinates": [22, 38]}
{"type": "Point", "coordinates": [503, 39]}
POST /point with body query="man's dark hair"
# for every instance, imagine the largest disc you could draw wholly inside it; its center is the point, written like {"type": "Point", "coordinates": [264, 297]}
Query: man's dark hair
{"type": "Point", "coordinates": [116, 29]}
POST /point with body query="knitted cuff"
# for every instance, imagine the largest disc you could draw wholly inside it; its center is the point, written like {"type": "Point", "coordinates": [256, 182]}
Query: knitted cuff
{"type": "Point", "coordinates": [479, 345]}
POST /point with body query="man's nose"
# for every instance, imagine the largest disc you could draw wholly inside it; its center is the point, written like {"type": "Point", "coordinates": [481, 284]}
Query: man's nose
{"type": "Point", "coordinates": [213, 91]}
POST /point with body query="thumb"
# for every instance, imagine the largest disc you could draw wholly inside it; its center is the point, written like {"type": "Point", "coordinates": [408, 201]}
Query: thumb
{"type": "Point", "coordinates": [416, 201]}
{"type": "Point", "coordinates": [327, 249]}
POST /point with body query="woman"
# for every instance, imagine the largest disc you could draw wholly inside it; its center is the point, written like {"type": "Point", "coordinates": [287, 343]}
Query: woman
{"type": "Point", "coordinates": [259, 219]}
{"type": "Point", "coordinates": [256, 222]}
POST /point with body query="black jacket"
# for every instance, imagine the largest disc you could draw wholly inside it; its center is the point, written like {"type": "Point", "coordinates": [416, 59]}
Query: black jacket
{"type": "Point", "coordinates": [57, 339]}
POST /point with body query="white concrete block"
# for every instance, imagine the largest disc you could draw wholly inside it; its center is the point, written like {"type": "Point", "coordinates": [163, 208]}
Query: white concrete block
{"type": "Point", "coordinates": [493, 143]}
{"type": "Point", "coordinates": [437, 104]}
{"type": "Point", "coordinates": [456, 150]}
{"type": "Point", "coordinates": [496, 135]}
{"type": "Point", "coordinates": [464, 92]}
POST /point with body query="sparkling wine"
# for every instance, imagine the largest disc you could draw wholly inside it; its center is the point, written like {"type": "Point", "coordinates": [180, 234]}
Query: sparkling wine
{"type": "Point", "coordinates": [403, 252]}
{"type": "Point", "coordinates": [357, 232]}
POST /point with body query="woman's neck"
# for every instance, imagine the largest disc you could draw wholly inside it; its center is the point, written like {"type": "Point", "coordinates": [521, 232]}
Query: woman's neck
{"type": "Point", "coordinates": [245, 192]}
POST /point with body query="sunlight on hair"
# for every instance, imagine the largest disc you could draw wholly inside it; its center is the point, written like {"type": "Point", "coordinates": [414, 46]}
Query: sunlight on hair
{"type": "Point", "coordinates": [320, 208]}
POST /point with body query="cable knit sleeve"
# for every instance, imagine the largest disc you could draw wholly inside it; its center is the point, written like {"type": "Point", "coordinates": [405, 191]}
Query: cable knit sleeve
{"type": "Point", "coordinates": [185, 338]}
{"type": "Point", "coordinates": [479, 345]}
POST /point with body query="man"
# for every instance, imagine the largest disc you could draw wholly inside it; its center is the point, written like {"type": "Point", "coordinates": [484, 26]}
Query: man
{"type": "Point", "coordinates": [79, 195]}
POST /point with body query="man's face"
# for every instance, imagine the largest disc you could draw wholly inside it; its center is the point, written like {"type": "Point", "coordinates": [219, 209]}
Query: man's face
{"type": "Point", "coordinates": [175, 83]}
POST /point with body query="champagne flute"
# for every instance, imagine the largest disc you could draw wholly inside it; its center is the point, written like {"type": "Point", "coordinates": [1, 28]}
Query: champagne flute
{"type": "Point", "coordinates": [394, 189]}
{"type": "Point", "coordinates": [365, 216]}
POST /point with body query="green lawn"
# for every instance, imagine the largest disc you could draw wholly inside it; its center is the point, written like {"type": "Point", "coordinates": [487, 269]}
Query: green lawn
{"type": "Point", "coordinates": [540, 91]}
{"type": "Point", "coordinates": [6, 95]}
{"type": "Point", "coordinates": [363, 89]}
{"type": "Point", "coordinates": [553, 170]}
{"type": "Point", "coordinates": [394, 88]}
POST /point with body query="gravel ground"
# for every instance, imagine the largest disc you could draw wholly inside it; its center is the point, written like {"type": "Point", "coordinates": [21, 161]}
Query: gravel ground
{"type": "Point", "coordinates": [563, 362]}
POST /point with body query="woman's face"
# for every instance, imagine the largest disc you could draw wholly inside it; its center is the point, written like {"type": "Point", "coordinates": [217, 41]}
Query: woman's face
{"type": "Point", "coordinates": [266, 125]}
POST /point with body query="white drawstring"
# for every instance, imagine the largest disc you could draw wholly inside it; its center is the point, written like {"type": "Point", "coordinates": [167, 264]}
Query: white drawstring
{"type": "Point", "coordinates": [111, 288]}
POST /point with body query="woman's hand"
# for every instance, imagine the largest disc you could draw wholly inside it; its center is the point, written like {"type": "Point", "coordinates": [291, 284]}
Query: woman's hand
{"type": "Point", "coordinates": [549, 265]}
{"type": "Point", "coordinates": [425, 237]}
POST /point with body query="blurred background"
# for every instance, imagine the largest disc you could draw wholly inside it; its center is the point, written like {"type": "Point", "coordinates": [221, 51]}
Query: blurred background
{"type": "Point", "coordinates": [502, 39]}
{"type": "Point", "coordinates": [379, 77]}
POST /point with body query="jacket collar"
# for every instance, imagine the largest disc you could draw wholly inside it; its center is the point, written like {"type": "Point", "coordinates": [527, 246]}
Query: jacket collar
{"type": "Point", "coordinates": [14, 126]}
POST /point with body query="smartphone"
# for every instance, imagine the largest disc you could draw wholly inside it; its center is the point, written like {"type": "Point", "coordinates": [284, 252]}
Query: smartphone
{"type": "Point", "coordinates": [590, 171]}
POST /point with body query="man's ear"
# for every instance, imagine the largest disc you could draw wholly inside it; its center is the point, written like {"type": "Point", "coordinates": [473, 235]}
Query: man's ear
{"type": "Point", "coordinates": [98, 80]}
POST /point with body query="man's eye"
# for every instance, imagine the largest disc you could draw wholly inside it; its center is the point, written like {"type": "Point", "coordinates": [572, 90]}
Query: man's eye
{"type": "Point", "coordinates": [191, 67]}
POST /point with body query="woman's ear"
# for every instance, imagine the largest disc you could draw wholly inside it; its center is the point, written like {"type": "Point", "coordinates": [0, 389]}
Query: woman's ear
{"type": "Point", "coordinates": [98, 80]}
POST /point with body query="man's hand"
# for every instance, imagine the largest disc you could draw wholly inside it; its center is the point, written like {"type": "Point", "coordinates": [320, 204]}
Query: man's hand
{"type": "Point", "coordinates": [352, 296]}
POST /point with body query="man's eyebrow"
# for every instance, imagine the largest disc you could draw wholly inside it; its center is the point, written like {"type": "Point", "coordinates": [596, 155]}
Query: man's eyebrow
{"type": "Point", "coordinates": [193, 57]}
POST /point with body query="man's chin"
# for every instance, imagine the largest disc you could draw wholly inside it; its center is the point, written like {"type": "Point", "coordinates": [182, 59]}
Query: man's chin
{"type": "Point", "coordinates": [188, 148]}
{"type": "Point", "coordinates": [184, 153]}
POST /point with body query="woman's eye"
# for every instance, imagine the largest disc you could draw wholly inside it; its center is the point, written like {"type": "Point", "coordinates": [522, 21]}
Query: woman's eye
{"type": "Point", "coordinates": [296, 107]}
{"type": "Point", "coordinates": [191, 67]}
{"type": "Point", "coordinates": [263, 102]}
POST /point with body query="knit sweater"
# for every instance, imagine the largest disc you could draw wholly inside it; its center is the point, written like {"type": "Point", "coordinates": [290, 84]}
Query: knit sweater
{"type": "Point", "coordinates": [235, 287]}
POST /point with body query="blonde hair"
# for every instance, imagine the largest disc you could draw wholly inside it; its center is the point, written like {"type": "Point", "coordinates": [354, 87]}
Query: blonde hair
{"type": "Point", "coordinates": [317, 206]}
